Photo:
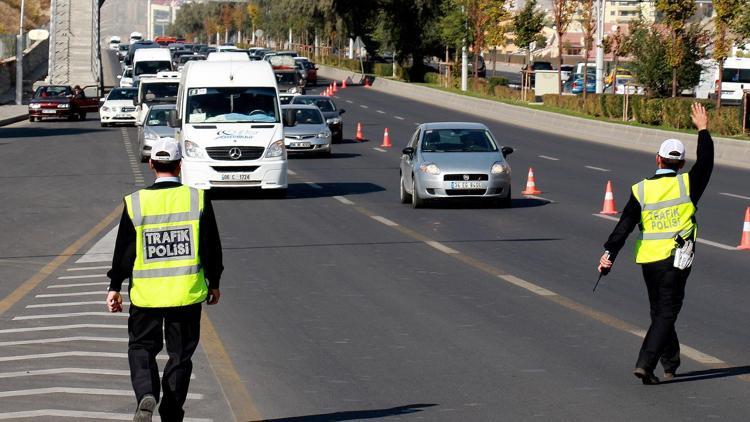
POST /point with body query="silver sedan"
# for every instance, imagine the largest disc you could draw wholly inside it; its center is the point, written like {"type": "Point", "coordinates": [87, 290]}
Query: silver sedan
{"type": "Point", "coordinates": [154, 127]}
{"type": "Point", "coordinates": [306, 130]}
{"type": "Point", "coordinates": [454, 160]}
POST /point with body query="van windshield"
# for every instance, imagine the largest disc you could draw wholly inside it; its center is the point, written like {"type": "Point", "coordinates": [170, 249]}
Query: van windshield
{"type": "Point", "coordinates": [232, 105]}
{"type": "Point", "coordinates": [160, 91]}
{"type": "Point", "coordinates": [151, 67]}
{"type": "Point", "coordinates": [741, 76]}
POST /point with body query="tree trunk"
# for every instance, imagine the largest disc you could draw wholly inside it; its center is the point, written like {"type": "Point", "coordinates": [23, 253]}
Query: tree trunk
{"type": "Point", "coordinates": [585, 75]}
{"type": "Point", "coordinates": [559, 63]}
{"type": "Point", "coordinates": [674, 82]}
{"type": "Point", "coordinates": [718, 83]}
{"type": "Point", "coordinates": [614, 74]}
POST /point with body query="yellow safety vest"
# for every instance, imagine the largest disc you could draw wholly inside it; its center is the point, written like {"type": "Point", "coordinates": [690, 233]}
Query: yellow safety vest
{"type": "Point", "coordinates": [167, 270]}
{"type": "Point", "coordinates": [666, 211]}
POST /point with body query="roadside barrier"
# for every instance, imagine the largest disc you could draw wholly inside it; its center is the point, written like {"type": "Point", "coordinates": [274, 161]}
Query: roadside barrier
{"type": "Point", "coordinates": [531, 184]}
{"type": "Point", "coordinates": [745, 242]}
{"type": "Point", "coordinates": [386, 140]}
{"type": "Point", "coordinates": [609, 207]}
{"type": "Point", "coordinates": [360, 137]}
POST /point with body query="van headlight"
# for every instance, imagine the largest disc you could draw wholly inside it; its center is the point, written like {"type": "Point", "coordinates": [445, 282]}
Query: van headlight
{"type": "Point", "coordinates": [333, 120]}
{"type": "Point", "coordinates": [193, 150]}
{"type": "Point", "coordinates": [276, 149]}
{"type": "Point", "coordinates": [429, 168]}
{"type": "Point", "coordinates": [500, 168]}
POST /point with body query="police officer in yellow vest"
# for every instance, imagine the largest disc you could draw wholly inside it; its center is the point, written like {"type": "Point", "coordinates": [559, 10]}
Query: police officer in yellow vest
{"type": "Point", "coordinates": [168, 246]}
{"type": "Point", "coordinates": [663, 207]}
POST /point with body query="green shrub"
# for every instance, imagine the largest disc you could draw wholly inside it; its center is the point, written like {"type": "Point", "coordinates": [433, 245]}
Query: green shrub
{"type": "Point", "coordinates": [504, 92]}
{"type": "Point", "coordinates": [676, 113]}
{"type": "Point", "coordinates": [726, 121]}
{"type": "Point", "coordinates": [592, 105]}
{"type": "Point", "coordinates": [383, 69]}
{"type": "Point", "coordinates": [432, 78]}
{"type": "Point", "coordinates": [651, 111]}
{"type": "Point", "coordinates": [479, 85]}
{"type": "Point", "coordinates": [612, 105]}
{"type": "Point", "coordinates": [497, 81]}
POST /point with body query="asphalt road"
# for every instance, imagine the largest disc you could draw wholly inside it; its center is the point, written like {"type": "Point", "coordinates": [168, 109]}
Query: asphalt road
{"type": "Point", "coordinates": [339, 303]}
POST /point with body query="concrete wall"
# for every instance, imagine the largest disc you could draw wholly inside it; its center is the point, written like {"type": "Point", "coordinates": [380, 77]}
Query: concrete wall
{"type": "Point", "coordinates": [728, 151]}
{"type": "Point", "coordinates": [35, 61]}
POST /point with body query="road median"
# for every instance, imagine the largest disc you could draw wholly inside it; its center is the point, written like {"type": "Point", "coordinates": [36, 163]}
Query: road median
{"type": "Point", "coordinates": [731, 152]}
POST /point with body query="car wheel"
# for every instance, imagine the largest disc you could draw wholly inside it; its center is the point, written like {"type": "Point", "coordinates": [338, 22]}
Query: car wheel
{"type": "Point", "coordinates": [82, 116]}
{"type": "Point", "coordinates": [416, 201]}
{"type": "Point", "coordinates": [403, 194]}
{"type": "Point", "coordinates": [339, 137]}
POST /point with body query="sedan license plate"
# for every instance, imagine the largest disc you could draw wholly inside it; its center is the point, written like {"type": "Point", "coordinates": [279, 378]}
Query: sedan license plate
{"type": "Point", "coordinates": [122, 116]}
{"type": "Point", "coordinates": [49, 111]}
{"type": "Point", "coordinates": [466, 185]}
{"type": "Point", "coordinates": [236, 177]}
{"type": "Point", "coordinates": [299, 145]}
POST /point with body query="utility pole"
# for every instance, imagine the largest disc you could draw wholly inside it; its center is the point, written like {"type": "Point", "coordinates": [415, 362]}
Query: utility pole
{"type": "Point", "coordinates": [19, 59]}
{"type": "Point", "coordinates": [464, 58]}
{"type": "Point", "coordinates": [599, 46]}
{"type": "Point", "coordinates": [149, 22]}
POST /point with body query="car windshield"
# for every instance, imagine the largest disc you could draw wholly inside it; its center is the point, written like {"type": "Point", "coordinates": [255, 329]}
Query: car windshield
{"type": "Point", "coordinates": [736, 75]}
{"type": "Point", "coordinates": [152, 67]}
{"type": "Point", "coordinates": [124, 47]}
{"type": "Point", "coordinates": [158, 117]}
{"type": "Point", "coordinates": [458, 140]}
{"type": "Point", "coordinates": [128, 73]}
{"type": "Point", "coordinates": [306, 116]}
{"type": "Point", "coordinates": [232, 105]}
{"type": "Point", "coordinates": [286, 78]}
{"type": "Point", "coordinates": [160, 90]}
{"type": "Point", "coordinates": [53, 91]}
{"type": "Point", "coordinates": [323, 104]}
{"type": "Point", "coordinates": [122, 94]}
{"type": "Point", "coordinates": [285, 99]}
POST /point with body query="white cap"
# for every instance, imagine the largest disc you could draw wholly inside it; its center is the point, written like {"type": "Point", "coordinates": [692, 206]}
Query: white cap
{"type": "Point", "coordinates": [165, 149]}
{"type": "Point", "coordinates": [672, 149]}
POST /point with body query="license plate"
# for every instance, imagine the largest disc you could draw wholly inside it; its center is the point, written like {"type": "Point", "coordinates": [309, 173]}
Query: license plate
{"type": "Point", "coordinates": [49, 111]}
{"type": "Point", "coordinates": [299, 145]}
{"type": "Point", "coordinates": [123, 116]}
{"type": "Point", "coordinates": [236, 177]}
{"type": "Point", "coordinates": [466, 185]}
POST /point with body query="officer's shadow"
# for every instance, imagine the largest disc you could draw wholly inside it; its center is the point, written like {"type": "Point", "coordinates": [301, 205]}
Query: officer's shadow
{"type": "Point", "coordinates": [737, 371]}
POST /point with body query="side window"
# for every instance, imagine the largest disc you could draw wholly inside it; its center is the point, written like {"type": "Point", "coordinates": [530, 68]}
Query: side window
{"type": "Point", "coordinates": [414, 139]}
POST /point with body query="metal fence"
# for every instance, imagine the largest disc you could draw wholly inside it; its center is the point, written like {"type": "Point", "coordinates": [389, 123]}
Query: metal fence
{"type": "Point", "coordinates": [8, 44]}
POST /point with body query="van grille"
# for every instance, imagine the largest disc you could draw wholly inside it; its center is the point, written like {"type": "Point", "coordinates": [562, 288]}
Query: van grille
{"type": "Point", "coordinates": [247, 153]}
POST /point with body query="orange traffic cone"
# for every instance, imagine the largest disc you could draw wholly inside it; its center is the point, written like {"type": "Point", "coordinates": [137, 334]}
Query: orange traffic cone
{"type": "Point", "coordinates": [531, 184]}
{"type": "Point", "coordinates": [745, 243]}
{"type": "Point", "coordinates": [335, 87]}
{"type": "Point", "coordinates": [343, 83]}
{"type": "Point", "coordinates": [360, 137]}
{"type": "Point", "coordinates": [386, 140]}
{"type": "Point", "coordinates": [609, 201]}
{"type": "Point", "coordinates": [367, 82]}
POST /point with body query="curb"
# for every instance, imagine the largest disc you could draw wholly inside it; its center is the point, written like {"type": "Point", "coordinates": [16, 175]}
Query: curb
{"type": "Point", "coordinates": [14, 119]}
{"type": "Point", "coordinates": [730, 152]}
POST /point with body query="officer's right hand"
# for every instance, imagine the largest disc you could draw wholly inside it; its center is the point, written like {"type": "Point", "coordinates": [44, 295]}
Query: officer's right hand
{"type": "Point", "coordinates": [213, 296]}
{"type": "Point", "coordinates": [604, 262]}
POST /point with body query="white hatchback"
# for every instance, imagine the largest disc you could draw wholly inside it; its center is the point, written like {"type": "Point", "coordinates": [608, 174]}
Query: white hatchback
{"type": "Point", "coordinates": [118, 107]}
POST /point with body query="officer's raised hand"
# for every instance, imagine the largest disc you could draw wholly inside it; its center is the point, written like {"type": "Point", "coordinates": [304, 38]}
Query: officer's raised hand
{"type": "Point", "coordinates": [699, 116]}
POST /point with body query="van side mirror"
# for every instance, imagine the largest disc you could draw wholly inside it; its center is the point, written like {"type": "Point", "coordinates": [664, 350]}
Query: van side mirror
{"type": "Point", "coordinates": [289, 118]}
{"type": "Point", "coordinates": [173, 120]}
{"type": "Point", "coordinates": [408, 151]}
{"type": "Point", "coordinates": [506, 151]}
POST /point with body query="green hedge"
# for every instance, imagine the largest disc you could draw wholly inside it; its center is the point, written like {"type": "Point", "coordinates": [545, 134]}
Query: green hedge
{"type": "Point", "coordinates": [383, 69]}
{"type": "Point", "coordinates": [432, 78]}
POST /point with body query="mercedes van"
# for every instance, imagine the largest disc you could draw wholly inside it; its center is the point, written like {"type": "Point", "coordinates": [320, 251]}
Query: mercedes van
{"type": "Point", "coordinates": [150, 61]}
{"type": "Point", "coordinates": [228, 122]}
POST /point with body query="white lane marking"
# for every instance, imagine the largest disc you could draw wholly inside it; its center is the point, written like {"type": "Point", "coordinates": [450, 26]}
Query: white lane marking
{"type": "Point", "coordinates": [380, 150]}
{"type": "Point", "coordinates": [380, 111]}
{"type": "Point", "coordinates": [398, 117]}
{"type": "Point", "coordinates": [699, 240]}
{"type": "Point", "coordinates": [62, 371]}
{"type": "Point", "coordinates": [699, 356]}
{"type": "Point", "coordinates": [533, 288]}
{"type": "Point", "coordinates": [735, 195]}
{"type": "Point", "coordinates": [417, 123]}
{"type": "Point", "coordinates": [61, 327]}
{"type": "Point", "coordinates": [291, 173]}
{"type": "Point", "coordinates": [63, 286]}
{"type": "Point", "coordinates": [79, 414]}
{"type": "Point", "coordinates": [102, 250]}
{"type": "Point", "coordinates": [65, 340]}
{"type": "Point", "coordinates": [100, 293]}
{"type": "Point", "coordinates": [73, 390]}
{"type": "Point", "coordinates": [363, 106]}
{"type": "Point", "coordinates": [350, 101]}
{"type": "Point", "coordinates": [343, 200]}
{"type": "Point", "coordinates": [103, 267]}
{"type": "Point", "coordinates": [384, 220]}
{"type": "Point", "coordinates": [540, 198]}
{"type": "Point", "coordinates": [56, 305]}
{"type": "Point", "coordinates": [442, 248]}
{"type": "Point", "coordinates": [314, 185]}
{"type": "Point", "coordinates": [76, 353]}
{"type": "Point", "coordinates": [76, 277]}
{"type": "Point", "coordinates": [597, 168]}
{"type": "Point", "coordinates": [69, 315]}
{"type": "Point", "coordinates": [548, 158]}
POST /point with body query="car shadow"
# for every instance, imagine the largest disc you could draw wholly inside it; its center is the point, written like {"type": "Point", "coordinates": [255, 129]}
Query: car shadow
{"type": "Point", "coordinates": [41, 132]}
{"type": "Point", "coordinates": [297, 191]}
{"type": "Point", "coordinates": [355, 414]}
{"type": "Point", "coordinates": [709, 374]}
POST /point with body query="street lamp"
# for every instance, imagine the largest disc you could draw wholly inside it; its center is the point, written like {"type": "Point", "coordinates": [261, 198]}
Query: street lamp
{"type": "Point", "coordinates": [19, 58]}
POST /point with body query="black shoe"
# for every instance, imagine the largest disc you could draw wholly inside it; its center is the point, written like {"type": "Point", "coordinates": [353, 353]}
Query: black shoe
{"type": "Point", "coordinates": [145, 410]}
{"type": "Point", "coordinates": [647, 377]}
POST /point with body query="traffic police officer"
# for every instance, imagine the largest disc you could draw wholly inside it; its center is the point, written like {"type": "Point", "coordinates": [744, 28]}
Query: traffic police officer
{"type": "Point", "coordinates": [663, 207]}
{"type": "Point", "coordinates": [168, 245]}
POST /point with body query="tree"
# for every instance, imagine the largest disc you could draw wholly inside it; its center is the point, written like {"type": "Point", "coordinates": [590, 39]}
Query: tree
{"type": "Point", "coordinates": [731, 25]}
{"type": "Point", "coordinates": [588, 26]}
{"type": "Point", "coordinates": [675, 15]}
{"type": "Point", "coordinates": [562, 15]}
{"type": "Point", "coordinates": [527, 26]}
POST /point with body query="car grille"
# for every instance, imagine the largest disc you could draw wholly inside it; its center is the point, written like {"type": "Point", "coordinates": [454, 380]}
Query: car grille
{"type": "Point", "coordinates": [299, 137]}
{"type": "Point", "coordinates": [235, 169]}
{"type": "Point", "coordinates": [460, 177]}
{"type": "Point", "coordinates": [222, 153]}
{"type": "Point", "coordinates": [465, 192]}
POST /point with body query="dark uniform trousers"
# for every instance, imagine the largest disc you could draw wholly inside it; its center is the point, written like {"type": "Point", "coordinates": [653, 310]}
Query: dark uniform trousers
{"type": "Point", "coordinates": [666, 291]}
{"type": "Point", "coordinates": [181, 329]}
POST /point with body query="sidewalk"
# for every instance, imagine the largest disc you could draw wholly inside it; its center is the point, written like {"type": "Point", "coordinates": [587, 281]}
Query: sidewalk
{"type": "Point", "coordinates": [13, 113]}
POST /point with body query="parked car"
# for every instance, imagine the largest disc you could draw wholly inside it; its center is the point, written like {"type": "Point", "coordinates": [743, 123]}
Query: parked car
{"type": "Point", "coordinates": [331, 113]}
{"type": "Point", "coordinates": [566, 71]}
{"type": "Point", "coordinates": [60, 101]}
{"type": "Point", "coordinates": [628, 85]}
{"type": "Point", "coordinates": [577, 85]}
{"type": "Point", "coordinates": [309, 132]}
{"type": "Point", "coordinates": [155, 127]}
{"type": "Point", "coordinates": [482, 68]}
{"type": "Point", "coordinates": [118, 107]}
{"type": "Point", "coordinates": [621, 73]}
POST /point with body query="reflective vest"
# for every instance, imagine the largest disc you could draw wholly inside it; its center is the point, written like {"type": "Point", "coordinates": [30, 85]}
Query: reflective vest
{"type": "Point", "coordinates": [666, 211]}
{"type": "Point", "coordinates": [167, 270]}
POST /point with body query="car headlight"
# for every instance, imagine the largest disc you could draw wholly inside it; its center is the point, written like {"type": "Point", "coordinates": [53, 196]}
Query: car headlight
{"type": "Point", "coordinates": [105, 108]}
{"type": "Point", "coordinates": [35, 106]}
{"type": "Point", "coordinates": [151, 136]}
{"type": "Point", "coordinates": [276, 149]}
{"type": "Point", "coordinates": [333, 120]}
{"type": "Point", "coordinates": [193, 150]}
{"type": "Point", "coordinates": [325, 134]}
{"type": "Point", "coordinates": [429, 168]}
{"type": "Point", "coordinates": [63, 106]}
{"type": "Point", "coordinates": [500, 168]}
{"type": "Point", "coordinates": [294, 90]}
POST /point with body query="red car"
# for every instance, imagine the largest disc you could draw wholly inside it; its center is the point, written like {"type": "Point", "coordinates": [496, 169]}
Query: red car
{"type": "Point", "coordinates": [60, 101]}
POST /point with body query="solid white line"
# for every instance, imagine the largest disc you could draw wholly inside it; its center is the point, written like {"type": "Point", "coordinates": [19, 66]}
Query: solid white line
{"type": "Point", "coordinates": [398, 117]}
{"type": "Point", "coordinates": [606, 217]}
{"type": "Point", "coordinates": [69, 315]}
{"type": "Point", "coordinates": [58, 304]}
{"type": "Point", "coordinates": [62, 371]}
{"type": "Point", "coordinates": [380, 150]}
{"type": "Point", "coordinates": [100, 293]}
{"type": "Point", "coordinates": [76, 353]}
{"type": "Point", "coordinates": [64, 340]}
{"type": "Point", "coordinates": [79, 414]}
{"type": "Point", "coordinates": [548, 158]}
{"type": "Point", "coordinates": [596, 168]}
{"type": "Point", "coordinates": [74, 390]}
{"type": "Point", "coordinates": [291, 173]}
{"type": "Point", "coordinates": [74, 277]}
{"type": "Point", "coordinates": [442, 248]}
{"type": "Point", "coordinates": [60, 327]}
{"type": "Point", "coordinates": [384, 220]}
{"type": "Point", "coordinates": [735, 196]}
{"type": "Point", "coordinates": [343, 200]}
{"type": "Point", "coordinates": [104, 267]}
{"type": "Point", "coordinates": [363, 106]}
{"type": "Point", "coordinates": [63, 286]}
{"type": "Point", "coordinates": [314, 185]}
{"type": "Point", "coordinates": [350, 101]}
{"type": "Point", "coordinates": [533, 288]}
{"type": "Point", "coordinates": [380, 111]}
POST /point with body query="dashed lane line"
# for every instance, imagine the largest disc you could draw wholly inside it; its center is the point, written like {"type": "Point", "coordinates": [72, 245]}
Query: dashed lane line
{"type": "Point", "coordinates": [546, 157]}
{"type": "Point", "coordinates": [732, 195]}
{"type": "Point", "coordinates": [97, 292]}
{"type": "Point", "coordinates": [343, 200]}
{"type": "Point", "coordinates": [384, 220]}
{"type": "Point", "coordinates": [65, 340]}
{"type": "Point", "coordinates": [541, 291]}
{"type": "Point", "coordinates": [597, 168]}
{"type": "Point", "coordinates": [76, 277]}
{"type": "Point", "coordinates": [350, 101]}
{"type": "Point", "coordinates": [380, 149]}
{"type": "Point", "coordinates": [442, 248]}
{"type": "Point", "coordinates": [75, 353]}
{"type": "Point", "coordinates": [380, 111]}
{"type": "Point", "coordinates": [62, 327]}
{"type": "Point", "coordinates": [363, 106]}
{"type": "Point", "coordinates": [70, 315]}
{"type": "Point", "coordinates": [75, 390]}
{"type": "Point", "coordinates": [398, 118]}
{"type": "Point", "coordinates": [79, 371]}
{"type": "Point", "coordinates": [78, 415]}
{"type": "Point", "coordinates": [59, 304]}
{"type": "Point", "coordinates": [103, 267]}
